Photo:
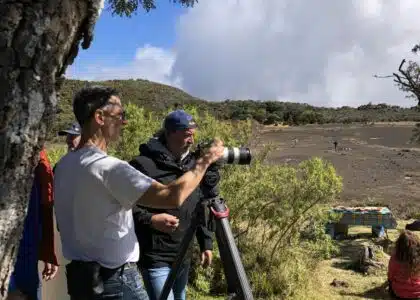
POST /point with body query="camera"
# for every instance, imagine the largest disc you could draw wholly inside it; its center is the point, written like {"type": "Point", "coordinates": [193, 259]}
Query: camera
{"type": "Point", "coordinates": [233, 155]}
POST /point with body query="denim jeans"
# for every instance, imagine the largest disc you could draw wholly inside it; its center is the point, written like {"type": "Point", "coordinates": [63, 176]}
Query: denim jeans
{"type": "Point", "coordinates": [122, 285]}
{"type": "Point", "coordinates": [154, 280]}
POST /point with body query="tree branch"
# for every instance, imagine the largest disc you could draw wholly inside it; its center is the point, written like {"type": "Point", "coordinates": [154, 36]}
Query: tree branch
{"type": "Point", "coordinates": [380, 76]}
{"type": "Point", "coordinates": [407, 78]}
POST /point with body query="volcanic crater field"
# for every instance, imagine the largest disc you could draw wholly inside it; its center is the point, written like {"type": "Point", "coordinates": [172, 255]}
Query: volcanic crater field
{"type": "Point", "coordinates": [377, 162]}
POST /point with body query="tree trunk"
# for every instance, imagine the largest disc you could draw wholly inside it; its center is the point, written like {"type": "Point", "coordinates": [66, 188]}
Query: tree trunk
{"type": "Point", "coordinates": [38, 39]}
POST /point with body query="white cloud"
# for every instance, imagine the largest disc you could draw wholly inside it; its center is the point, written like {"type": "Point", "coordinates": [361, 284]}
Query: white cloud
{"type": "Point", "coordinates": [149, 63]}
{"type": "Point", "coordinates": [323, 52]}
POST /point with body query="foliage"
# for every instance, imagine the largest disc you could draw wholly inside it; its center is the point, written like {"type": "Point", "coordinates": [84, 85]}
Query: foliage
{"type": "Point", "coordinates": [272, 207]}
{"type": "Point", "coordinates": [153, 97]}
{"type": "Point", "coordinates": [159, 98]}
{"type": "Point", "coordinates": [277, 215]}
{"type": "Point", "coordinates": [128, 7]}
{"type": "Point", "coordinates": [407, 78]}
{"type": "Point", "coordinates": [275, 112]}
{"type": "Point", "coordinates": [55, 152]}
{"type": "Point", "coordinates": [142, 125]}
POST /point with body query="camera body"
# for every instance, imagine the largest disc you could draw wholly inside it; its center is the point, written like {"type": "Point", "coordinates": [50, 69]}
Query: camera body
{"type": "Point", "coordinates": [233, 155]}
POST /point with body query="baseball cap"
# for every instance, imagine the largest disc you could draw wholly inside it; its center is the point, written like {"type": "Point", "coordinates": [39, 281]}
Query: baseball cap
{"type": "Point", "coordinates": [179, 120]}
{"type": "Point", "coordinates": [74, 129]}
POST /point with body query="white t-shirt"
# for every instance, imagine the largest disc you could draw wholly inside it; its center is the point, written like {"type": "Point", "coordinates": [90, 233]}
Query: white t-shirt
{"type": "Point", "coordinates": [93, 197]}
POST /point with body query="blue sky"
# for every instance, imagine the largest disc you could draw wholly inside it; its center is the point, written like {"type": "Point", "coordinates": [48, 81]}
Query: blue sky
{"type": "Point", "coordinates": [117, 38]}
{"type": "Point", "coordinates": [320, 52]}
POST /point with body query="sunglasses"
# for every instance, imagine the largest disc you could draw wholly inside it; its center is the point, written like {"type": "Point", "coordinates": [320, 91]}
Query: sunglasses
{"type": "Point", "coordinates": [104, 101]}
{"type": "Point", "coordinates": [122, 116]}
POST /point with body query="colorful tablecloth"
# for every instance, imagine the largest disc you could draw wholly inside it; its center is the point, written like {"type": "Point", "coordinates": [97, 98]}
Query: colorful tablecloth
{"type": "Point", "coordinates": [368, 216]}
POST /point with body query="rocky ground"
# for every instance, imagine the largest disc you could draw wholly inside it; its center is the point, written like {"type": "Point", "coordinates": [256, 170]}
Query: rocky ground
{"type": "Point", "coordinates": [377, 163]}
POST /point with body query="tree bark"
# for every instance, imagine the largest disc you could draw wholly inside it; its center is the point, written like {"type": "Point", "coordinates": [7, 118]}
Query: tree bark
{"type": "Point", "coordinates": [38, 40]}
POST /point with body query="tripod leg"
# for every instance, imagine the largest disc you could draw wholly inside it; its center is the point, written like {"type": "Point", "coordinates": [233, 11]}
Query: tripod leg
{"type": "Point", "coordinates": [186, 241]}
{"type": "Point", "coordinates": [229, 254]}
{"type": "Point", "coordinates": [223, 250]}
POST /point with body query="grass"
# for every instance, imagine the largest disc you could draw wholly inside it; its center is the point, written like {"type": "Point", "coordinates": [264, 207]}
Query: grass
{"type": "Point", "coordinates": [359, 286]}
{"type": "Point", "coordinates": [191, 294]}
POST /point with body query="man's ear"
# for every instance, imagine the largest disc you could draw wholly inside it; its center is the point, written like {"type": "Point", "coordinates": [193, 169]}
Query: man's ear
{"type": "Point", "coordinates": [99, 117]}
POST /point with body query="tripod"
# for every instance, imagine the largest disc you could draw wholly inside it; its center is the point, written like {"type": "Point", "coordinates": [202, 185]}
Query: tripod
{"type": "Point", "coordinates": [229, 254]}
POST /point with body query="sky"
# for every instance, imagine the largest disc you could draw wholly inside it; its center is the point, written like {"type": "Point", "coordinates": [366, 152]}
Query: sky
{"type": "Point", "coordinates": [321, 52]}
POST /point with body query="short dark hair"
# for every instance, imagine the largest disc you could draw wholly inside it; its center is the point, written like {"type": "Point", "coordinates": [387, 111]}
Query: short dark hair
{"type": "Point", "coordinates": [89, 99]}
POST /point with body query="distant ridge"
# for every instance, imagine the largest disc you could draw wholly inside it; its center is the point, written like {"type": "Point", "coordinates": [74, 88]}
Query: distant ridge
{"type": "Point", "coordinates": [159, 97]}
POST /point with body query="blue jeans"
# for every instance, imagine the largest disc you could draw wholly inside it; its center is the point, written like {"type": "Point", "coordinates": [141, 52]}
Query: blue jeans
{"type": "Point", "coordinates": [125, 286]}
{"type": "Point", "coordinates": [121, 285]}
{"type": "Point", "coordinates": [154, 280]}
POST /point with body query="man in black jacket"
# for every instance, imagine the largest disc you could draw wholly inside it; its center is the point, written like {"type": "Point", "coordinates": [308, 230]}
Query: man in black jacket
{"type": "Point", "coordinates": [164, 158]}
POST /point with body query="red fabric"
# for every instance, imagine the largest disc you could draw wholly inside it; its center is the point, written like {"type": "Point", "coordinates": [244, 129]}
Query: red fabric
{"type": "Point", "coordinates": [402, 283]}
{"type": "Point", "coordinates": [45, 174]}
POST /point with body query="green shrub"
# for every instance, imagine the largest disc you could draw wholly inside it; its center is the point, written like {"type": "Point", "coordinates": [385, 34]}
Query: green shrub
{"type": "Point", "coordinates": [142, 125]}
{"type": "Point", "coordinates": [277, 214]}
{"type": "Point", "coordinates": [55, 152]}
{"type": "Point", "coordinates": [273, 208]}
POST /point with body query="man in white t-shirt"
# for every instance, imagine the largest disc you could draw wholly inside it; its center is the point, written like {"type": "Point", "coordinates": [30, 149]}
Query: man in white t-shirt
{"type": "Point", "coordinates": [94, 194]}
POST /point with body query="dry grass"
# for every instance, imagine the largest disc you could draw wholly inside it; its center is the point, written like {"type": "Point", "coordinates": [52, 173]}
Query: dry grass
{"type": "Point", "coordinates": [359, 286]}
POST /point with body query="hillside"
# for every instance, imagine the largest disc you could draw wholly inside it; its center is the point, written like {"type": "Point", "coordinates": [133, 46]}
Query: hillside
{"type": "Point", "coordinates": [153, 96]}
{"type": "Point", "coordinates": [158, 97]}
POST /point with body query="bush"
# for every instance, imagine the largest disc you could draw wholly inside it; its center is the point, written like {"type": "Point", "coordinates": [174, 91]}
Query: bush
{"type": "Point", "coordinates": [142, 125]}
{"type": "Point", "coordinates": [55, 152]}
{"type": "Point", "coordinates": [277, 212]}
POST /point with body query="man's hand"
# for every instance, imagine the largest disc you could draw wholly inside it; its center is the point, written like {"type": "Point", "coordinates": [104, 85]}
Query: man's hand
{"type": "Point", "coordinates": [165, 222]}
{"type": "Point", "coordinates": [206, 258]}
{"type": "Point", "coordinates": [49, 271]}
{"type": "Point", "coordinates": [212, 154]}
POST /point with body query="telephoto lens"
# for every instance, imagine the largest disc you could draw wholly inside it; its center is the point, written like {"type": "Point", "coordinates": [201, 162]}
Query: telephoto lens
{"type": "Point", "coordinates": [233, 155]}
{"type": "Point", "coordinates": [237, 156]}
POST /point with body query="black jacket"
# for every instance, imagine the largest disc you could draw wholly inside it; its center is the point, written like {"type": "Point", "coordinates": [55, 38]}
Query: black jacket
{"type": "Point", "coordinates": [158, 249]}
